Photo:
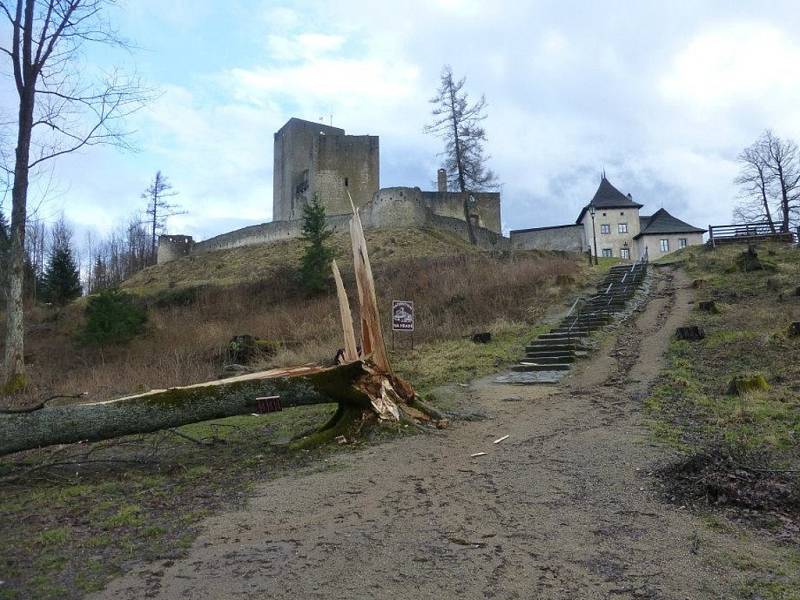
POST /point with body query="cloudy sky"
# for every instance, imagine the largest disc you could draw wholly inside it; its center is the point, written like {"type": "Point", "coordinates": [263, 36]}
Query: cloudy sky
{"type": "Point", "coordinates": [662, 95]}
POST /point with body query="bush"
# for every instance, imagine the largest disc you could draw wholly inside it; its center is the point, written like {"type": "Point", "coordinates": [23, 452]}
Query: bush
{"type": "Point", "coordinates": [112, 317]}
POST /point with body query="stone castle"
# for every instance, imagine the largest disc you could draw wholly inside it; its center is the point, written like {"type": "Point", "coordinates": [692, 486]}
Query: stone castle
{"type": "Point", "coordinates": [312, 159]}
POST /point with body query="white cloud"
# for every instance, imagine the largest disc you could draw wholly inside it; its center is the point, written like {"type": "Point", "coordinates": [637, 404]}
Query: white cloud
{"type": "Point", "coordinates": [749, 64]}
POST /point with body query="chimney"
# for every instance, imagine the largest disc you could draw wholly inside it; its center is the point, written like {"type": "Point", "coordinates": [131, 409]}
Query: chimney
{"type": "Point", "coordinates": [630, 197]}
{"type": "Point", "coordinates": [441, 177]}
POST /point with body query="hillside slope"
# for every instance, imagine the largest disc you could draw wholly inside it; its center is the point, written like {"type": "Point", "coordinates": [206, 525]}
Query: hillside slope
{"type": "Point", "coordinates": [254, 263]}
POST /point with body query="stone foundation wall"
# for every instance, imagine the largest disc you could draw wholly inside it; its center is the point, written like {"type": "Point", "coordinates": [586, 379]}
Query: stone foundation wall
{"type": "Point", "coordinates": [567, 238]}
{"type": "Point", "coordinates": [390, 208]}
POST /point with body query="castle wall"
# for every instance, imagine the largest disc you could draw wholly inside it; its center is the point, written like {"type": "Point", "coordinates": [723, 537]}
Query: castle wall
{"type": "Point", "coordinates": [293, 162]}
{"type": "Point", "coordinates": [451, 204]}
{"type": "Point", "coordinates": [566, 238]}
{"type": "Point", "coordinates": [390, 208]}
{"type": "Point", "coordinates": [346, 163]}
{"type": "Point", "coordinates": [171, 247]}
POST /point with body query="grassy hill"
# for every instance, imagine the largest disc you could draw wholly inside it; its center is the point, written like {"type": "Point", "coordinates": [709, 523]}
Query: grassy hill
{"type": "Point", "coordinates": [254, 263]}
{"type": "Point", "coordinates": [742, 446]}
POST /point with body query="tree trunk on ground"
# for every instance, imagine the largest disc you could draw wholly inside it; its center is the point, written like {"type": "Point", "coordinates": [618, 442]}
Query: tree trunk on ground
{"type": "Point", "coordinates": [355, 386]}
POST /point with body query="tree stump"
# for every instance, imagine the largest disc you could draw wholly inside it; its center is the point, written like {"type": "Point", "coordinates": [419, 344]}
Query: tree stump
{"type": "Point", "coordinates": [709, 306]}
{"type": "Point", "coordinates": [794, 329]}
{"type": "Point", "coordinates": [699, 283]}
{"type": "Point", "coordinates": [482, 338]}
{"type": "Point", "coordinates": [691, 334]}
{"type": "Point", "coordinates": [742, 384]}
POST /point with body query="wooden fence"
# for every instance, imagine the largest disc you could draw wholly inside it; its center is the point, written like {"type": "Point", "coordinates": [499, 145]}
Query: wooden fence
{"type": "Point", "coordinates": [743, 233]}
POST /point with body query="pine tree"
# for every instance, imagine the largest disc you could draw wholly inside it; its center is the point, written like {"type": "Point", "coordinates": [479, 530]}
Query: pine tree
{"type": "Point", "coordinates": [62, 280]}
{"type": "Point", "coordinates": [317, 257]}
{"type": "Point", "coordinates": [459, 124]}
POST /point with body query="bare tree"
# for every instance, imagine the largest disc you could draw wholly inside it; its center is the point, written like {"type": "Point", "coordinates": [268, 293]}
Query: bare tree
{"type": "Point", "coordinates": [159, 209]}
{"type": "Point", "coordinates": [754, 181]}
{"type": "Point", "coordinates": [459, 124]}
{"type": "Point", "coordinates": [59, 112]}
{"type": "Point", "coordinates": [782, 163]}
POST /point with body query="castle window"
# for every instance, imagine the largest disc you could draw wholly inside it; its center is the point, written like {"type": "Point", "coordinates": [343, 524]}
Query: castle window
{"type": "Point", "coordinates": [625, 253]}
{"type": "Point", "coordinates": [605, 228]}
{"type": "Point", "coordinates": [683, 242]}
{"type": "Point", "coordinates": [623, 227]}
{"type": "Point", "coordinates": [346, 182]}
{"type": "Point", "coordinates": [664, 245]}
{"type": "Point", "coordinates": [608, 252]}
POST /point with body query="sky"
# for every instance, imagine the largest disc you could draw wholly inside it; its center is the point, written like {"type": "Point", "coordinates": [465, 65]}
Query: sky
{"type": "Point", "coordinates": [662, 96]}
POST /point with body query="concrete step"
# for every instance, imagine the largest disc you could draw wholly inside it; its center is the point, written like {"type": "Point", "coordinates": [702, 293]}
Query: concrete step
{"type": "Point", "coordinates": [588, 318]}
{"type": "Point", "coordinates": [564, 335]}
{"type": "Point", "coordinates": [574, 332]}
{"type": "Point", "coordinates": [587, 324]}
{"type": "Point", "coordinates": [577, 351]}
{"type": "Point", "coordinates": [546, 360]}
{"type": "Point", "coordinates": [535, 368]}
{"type": "Point", "coordinates": [532, 356]}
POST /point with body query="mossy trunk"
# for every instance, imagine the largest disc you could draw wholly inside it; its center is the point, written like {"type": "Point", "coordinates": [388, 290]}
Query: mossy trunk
{"type": "Point", "coordinates": [163, 409]}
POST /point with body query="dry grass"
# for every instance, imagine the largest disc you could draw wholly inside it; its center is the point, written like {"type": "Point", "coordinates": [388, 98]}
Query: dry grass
{"type": "Point", "coordinates": [455, 295]}
{"type": "Point", "coordinates": [263, 262]}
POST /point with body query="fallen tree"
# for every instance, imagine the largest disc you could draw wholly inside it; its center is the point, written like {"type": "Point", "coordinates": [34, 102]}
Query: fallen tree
{"type": "Point", "coordinates": [361, 385]}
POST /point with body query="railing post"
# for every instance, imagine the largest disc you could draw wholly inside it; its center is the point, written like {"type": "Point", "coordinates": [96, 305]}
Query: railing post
{"type": "Point", "coordinates": [711, 235]}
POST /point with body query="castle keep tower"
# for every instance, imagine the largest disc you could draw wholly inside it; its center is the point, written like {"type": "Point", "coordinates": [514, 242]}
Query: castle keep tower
{"type": "Point", "coordinates": [312, 158]}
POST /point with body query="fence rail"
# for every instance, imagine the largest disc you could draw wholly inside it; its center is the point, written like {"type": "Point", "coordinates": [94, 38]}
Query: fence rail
{"type": "Point", "coordinates": [747, 232]}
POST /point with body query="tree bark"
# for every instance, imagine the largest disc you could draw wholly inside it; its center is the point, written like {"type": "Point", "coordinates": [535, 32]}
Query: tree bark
{"type": "Point", "coordinates": [163, 409]}
{"type": "Point", "coordinates": [14, 364]}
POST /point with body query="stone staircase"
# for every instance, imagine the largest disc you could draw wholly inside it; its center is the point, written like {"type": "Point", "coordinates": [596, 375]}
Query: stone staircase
{"type": "Point", "coordinates": [549, 357]}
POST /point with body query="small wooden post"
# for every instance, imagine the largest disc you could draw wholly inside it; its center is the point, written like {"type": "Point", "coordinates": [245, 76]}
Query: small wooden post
{"type": "Point", "coordinates": [711, 236]}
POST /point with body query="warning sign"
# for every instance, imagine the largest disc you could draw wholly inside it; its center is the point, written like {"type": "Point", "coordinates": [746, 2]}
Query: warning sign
{"type": "Point", "coordinates": [402, 315]}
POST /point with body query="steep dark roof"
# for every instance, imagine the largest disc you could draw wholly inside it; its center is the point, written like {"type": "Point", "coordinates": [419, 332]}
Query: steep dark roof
{"type": "Point", "coordinates": [607, 196]}
{"type": "Point", "coordinates": [662, 222]}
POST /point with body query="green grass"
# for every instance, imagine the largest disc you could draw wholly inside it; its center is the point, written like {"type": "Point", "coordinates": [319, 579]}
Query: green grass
{"type": "Point", "coordinates": [689, 408]}
{"type": "Point", "coordinates": [747, 337]}
{"type": "Point", "coordinates": [458, 361]}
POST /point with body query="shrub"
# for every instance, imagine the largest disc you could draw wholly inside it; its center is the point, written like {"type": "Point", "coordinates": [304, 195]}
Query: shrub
{"type": "Point", "coordinates": [112, 317]}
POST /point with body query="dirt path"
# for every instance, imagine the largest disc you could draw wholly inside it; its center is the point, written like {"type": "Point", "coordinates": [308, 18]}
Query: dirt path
{"type": "Point", "coordinates": [564, 508]}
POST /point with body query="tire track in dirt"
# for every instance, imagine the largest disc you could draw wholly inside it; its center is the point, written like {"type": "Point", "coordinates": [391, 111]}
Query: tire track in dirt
{"type": "Point", "coordinates": [562, 509]}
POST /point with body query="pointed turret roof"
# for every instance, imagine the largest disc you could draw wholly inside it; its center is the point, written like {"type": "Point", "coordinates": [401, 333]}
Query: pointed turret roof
{"type": "Point", "coordinates": [662, 222]}
{"type": "Point", "coordinates": [607, 196]}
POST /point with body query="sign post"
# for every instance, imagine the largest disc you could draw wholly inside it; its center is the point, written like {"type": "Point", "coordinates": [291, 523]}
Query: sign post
{"type": "Point", "coordinates": [403, 318]}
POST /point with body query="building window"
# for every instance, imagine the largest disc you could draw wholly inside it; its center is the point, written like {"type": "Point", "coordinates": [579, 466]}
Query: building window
{"type": "Point", "coordinates": [346, 182]}
{"type": "Point", "coordinates": [608, 252]}
{"type": "Point", "coordinates": [664, 245]}
{"type": "Point", "coordinates": [605, 228]}
{"type": "Point", "coordinates": [683, 242]}
{"type": "Point", "coordinates": [623, 227]}
{"type": "Point", "coordinates": [625, 253]}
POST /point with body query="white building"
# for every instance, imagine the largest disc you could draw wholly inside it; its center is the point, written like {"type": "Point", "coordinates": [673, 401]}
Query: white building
{"type": "Point", "coordinates": [613, 220]}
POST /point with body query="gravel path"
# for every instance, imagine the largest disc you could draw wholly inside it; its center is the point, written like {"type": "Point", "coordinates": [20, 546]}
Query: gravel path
{"type": "Point", "coordinates": [563, 508]}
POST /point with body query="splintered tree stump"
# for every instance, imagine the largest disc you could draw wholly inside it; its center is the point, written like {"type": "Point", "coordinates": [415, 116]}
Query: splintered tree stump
{"type": "Point", "coordinates": [794, 329]}
{"type": "Point", "coordinates": [709, 306]}
{"type": "Point", "coordinates": [691, 334]}
{"type": "Point", "coordinates": [699, 283]}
